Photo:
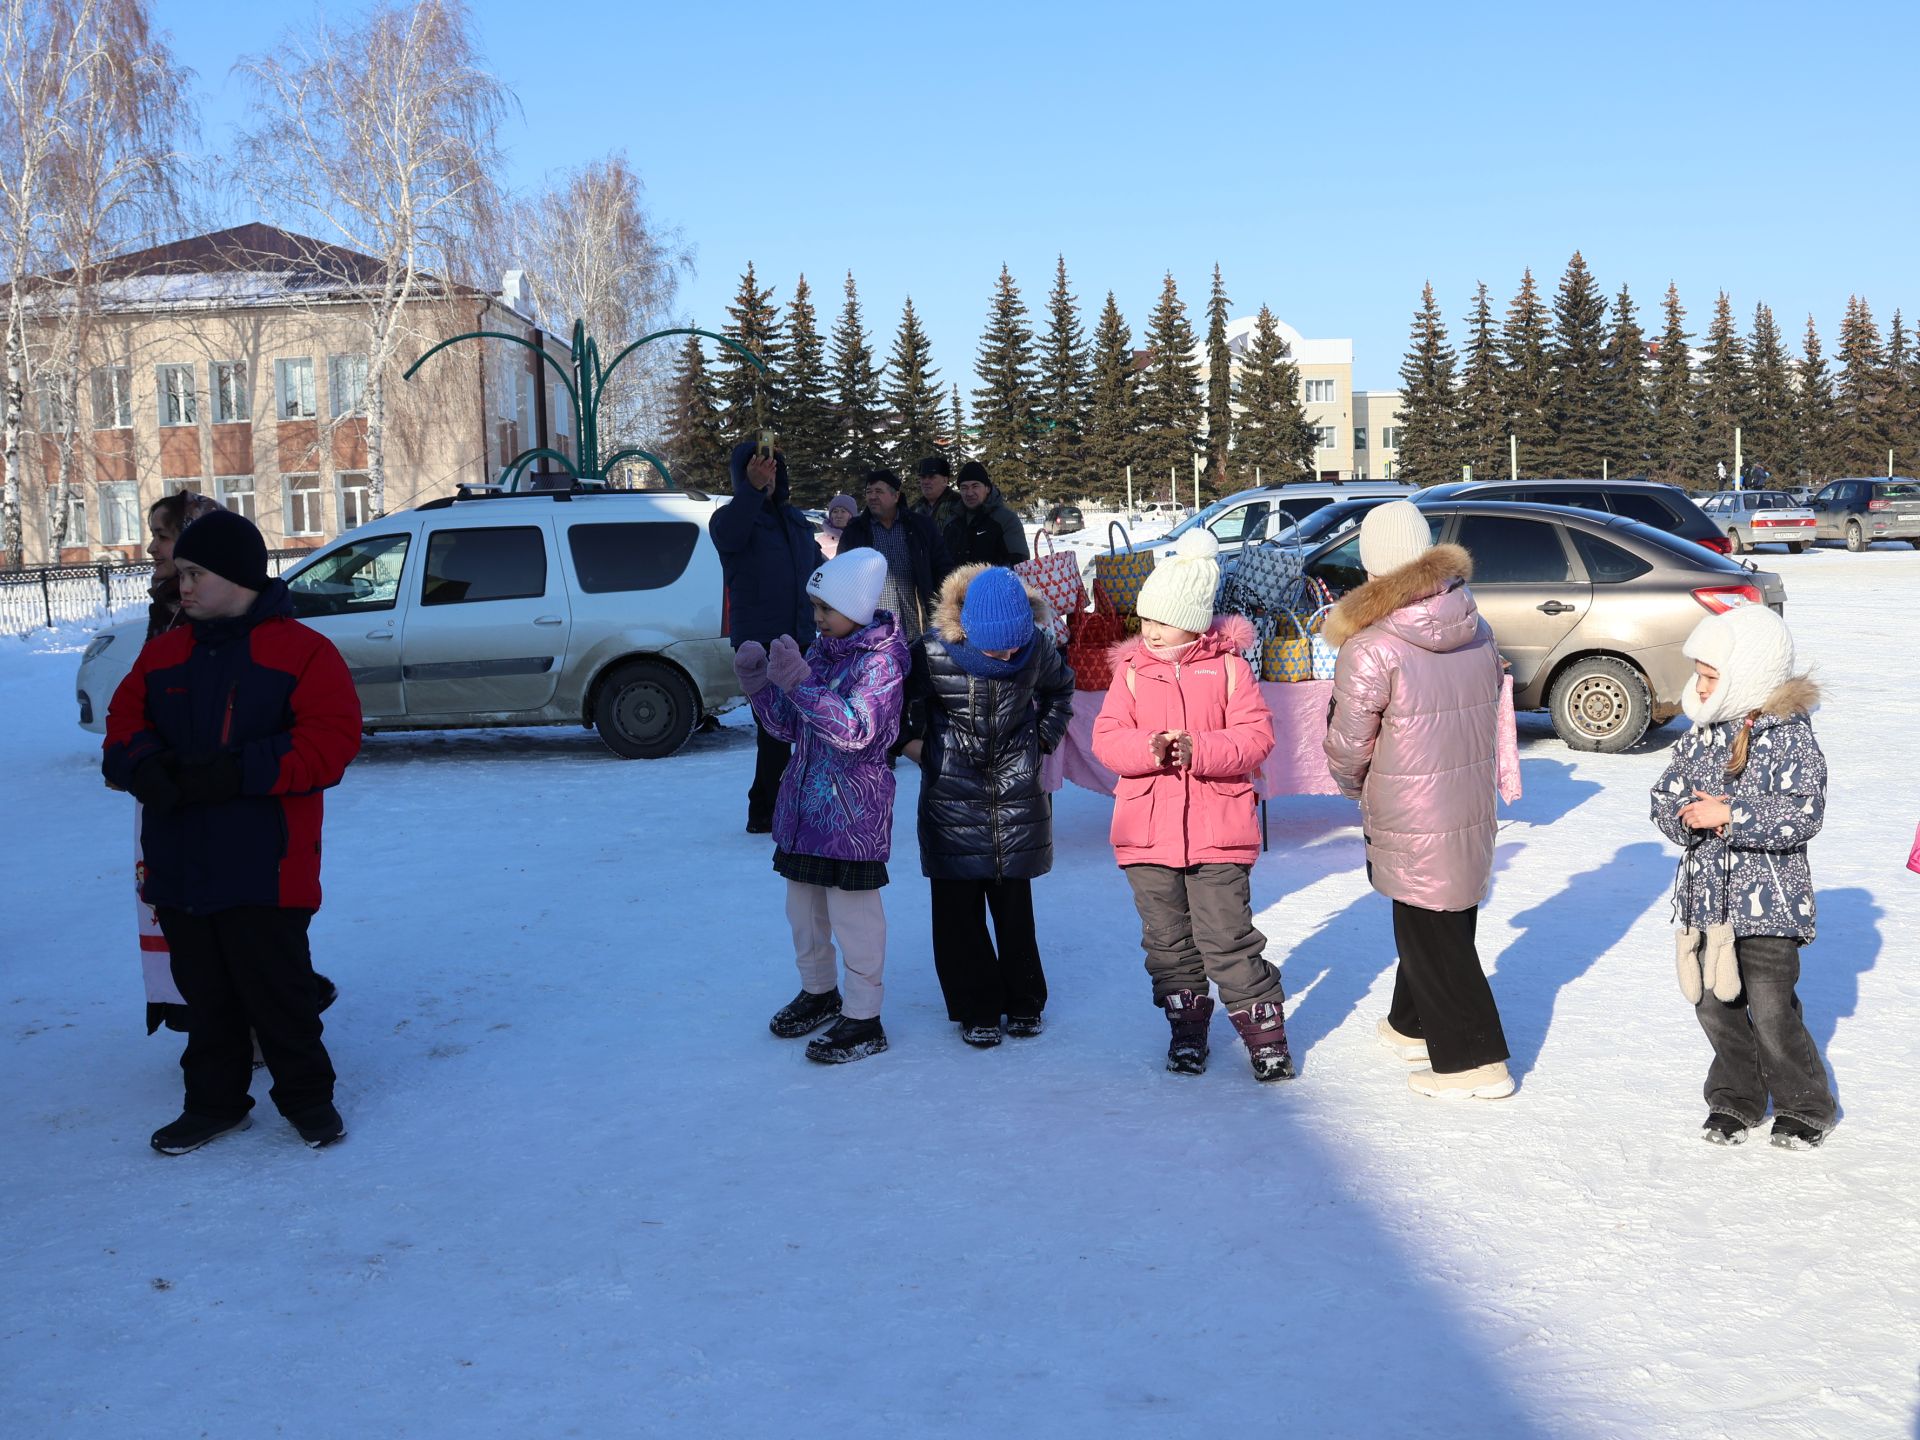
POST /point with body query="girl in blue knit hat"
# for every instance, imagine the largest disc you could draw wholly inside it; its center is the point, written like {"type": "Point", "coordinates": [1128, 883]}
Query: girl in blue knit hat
{"type": "Point", "coordinates": [989, 694]}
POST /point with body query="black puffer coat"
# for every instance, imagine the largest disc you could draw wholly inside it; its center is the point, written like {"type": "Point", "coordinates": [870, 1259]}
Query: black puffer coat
{"type": "Point", "coordinates": [983, 812]}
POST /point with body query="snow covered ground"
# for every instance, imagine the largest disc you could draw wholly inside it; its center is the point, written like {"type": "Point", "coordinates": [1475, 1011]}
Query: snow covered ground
{"type": "Point", "coordinates": [586, 1193]}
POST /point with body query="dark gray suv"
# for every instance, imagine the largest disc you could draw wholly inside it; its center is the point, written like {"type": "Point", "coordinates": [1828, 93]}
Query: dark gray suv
{"type": "Point", "coordinates": [1863, 511]}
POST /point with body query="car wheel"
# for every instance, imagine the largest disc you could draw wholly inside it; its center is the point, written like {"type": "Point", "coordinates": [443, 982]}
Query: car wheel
{"type": "Point", "coordinates": [645, 710]}
{"type": "Point", "coordinates": [1856, 537]}
{"type": "Point", "coordinates": [1799, 547]}
{"type": "Point", "coordinates": [1735, 543]}
{"type": "Point", "coordinates": [1602, 704]}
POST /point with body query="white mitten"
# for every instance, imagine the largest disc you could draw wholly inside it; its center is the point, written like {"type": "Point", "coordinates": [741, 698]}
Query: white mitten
{"type": "Point", "coordinates": [1686, 959]}
{"type": "Point", "coordinates": [1720, 964]}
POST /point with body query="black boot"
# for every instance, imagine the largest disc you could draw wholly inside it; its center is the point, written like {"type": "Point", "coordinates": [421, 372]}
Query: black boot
{"type": "Point", "coordinates": [190, 1132]}
{"type": "Point", "coordinates": [320, 1127]}
{"type": "Point", "coordinates": [981, 1037]}
{"type": "Point", "coordinates": [1263, 1026]}
{"type": "Point", "coordinates": [1723, 1129]}
{"type": "Point", "coordinates": [1189, 1015]}
{"type": "Point", "coordinates": [848, 1040]}
{"type": "Point", "coordinates": [1792, 1134]}
{"type": "Point", "coordinates": [805, 1013]}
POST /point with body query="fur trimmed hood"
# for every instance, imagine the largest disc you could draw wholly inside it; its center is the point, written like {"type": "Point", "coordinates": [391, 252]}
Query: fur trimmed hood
{"type": "Point", "coordinates": [953, 595]}
{"type": "Point", "coordinates": [1228, 635]}
{"type": "Point", "coordinates": [1794, 700]}
{"type": "Point", "coordinates": [1432, 574]}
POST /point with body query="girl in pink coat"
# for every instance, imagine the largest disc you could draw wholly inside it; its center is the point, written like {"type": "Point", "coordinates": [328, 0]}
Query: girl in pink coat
{"type": "Point", "coordinates": [1185, 729]}
{"type": "Point", "coordinates": [1416, 700]}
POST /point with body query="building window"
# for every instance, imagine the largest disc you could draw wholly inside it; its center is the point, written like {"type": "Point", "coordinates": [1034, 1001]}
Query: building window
{"type": "Point", "coordinates": [1360, 438]}
{"type": "Point", "coordinates": [1319, 392]}
{"type": "Point", "coordinates": [112, 398]}
{"type": "Point", "coordinates": [54, 411]}
{"type": "Point", "coordinates": [304, 514]}
{"type": "Point", "coordinates": [293, 389]}
{"type": "Point", "coordinates": [120, 513]}
{"type": "Point", "coordinates": [353, 500]}
{"type": "Point", "coordinates": [76, 515]}
{"type": "Point", "coordinates": [174, 385]}
{"type": "Point", "coordinates": [1390, 436]}
{"type": "Point", "coordinates": [347, 384]}
{"type": "Point", "coordinates": [237, 494]}
{"type": "Point", "coordinates": [1326, 437]}
{"type": "Point", "coordinates": [230, 392]}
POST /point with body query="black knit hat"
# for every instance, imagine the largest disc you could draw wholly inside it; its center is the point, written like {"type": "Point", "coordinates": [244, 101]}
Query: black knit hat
{"type": "Point", "coordinates": [973, 470]}
{"type": "Point", "coordinates": [227, 544]}
{"type": "Point", "coordinates": [883, 477]}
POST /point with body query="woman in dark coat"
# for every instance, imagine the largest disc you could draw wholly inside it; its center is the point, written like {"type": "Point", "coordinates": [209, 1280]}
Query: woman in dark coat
{"type": "Point", "coordinates": [989, 695]}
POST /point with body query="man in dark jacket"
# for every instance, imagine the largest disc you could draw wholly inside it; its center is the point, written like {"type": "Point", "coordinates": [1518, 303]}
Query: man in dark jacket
{"type": "Point", "coordinates": [767, 551]}
{"type": "Point", "coordinates": [939, 501]}
{"type": "Point", "coordinates": [916, 555]}
{"type": "Point", "coordinates": [986, 532]}
{"type": "Point", "coordinates": [227, 730]}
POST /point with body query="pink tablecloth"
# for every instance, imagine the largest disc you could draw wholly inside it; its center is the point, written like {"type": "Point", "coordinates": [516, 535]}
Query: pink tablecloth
{"type": "Point", "coordinates": [1297, 766]}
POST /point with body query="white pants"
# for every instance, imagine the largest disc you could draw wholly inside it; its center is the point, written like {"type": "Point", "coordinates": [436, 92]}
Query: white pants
{"type": "Point", "coordinates": [820, 914]}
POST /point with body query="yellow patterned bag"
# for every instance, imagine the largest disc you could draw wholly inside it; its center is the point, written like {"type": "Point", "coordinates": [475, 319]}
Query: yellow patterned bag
{"type": "Point", "coordinates": [1119, 574]}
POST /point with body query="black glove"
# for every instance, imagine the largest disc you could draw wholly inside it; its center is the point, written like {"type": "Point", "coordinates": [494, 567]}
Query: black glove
{"type": "Point", "coordinates": [208, 782]}
{"type": "Point", "coordinates": [152, 784]}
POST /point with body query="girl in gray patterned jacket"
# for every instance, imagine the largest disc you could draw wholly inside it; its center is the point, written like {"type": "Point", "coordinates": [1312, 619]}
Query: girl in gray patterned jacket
{"type": "Point", "coordinates": [1745, 792]}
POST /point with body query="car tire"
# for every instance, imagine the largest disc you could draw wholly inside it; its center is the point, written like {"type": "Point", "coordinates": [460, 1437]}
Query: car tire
{"type": "Point", "coordinates": [645, 710]}
{"type": "Point", "coordinates": [1735, 543]}
{"type": "Point", "coordinates": [1856, 537]}
{"type": "Point", "coordinates": [1600, 704]}
{"type": "Point", "coordinates": [1799, 547]}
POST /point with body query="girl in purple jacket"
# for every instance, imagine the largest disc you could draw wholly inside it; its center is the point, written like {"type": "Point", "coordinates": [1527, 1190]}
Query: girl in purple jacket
{"type": "Point", "coordinates": [839, 706]}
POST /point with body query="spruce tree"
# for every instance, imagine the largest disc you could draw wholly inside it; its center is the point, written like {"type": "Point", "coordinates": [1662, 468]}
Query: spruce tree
{"type": "Point", "coordinates": [1113, 420]}
{"type": "Point", "coordinates": [1815, 420]}
{"type": "Point", "coordinates": [750, 400]}
{"type": "Point", "coordinates": [1721, 401]}
{"type": "Point", "coordinates": [809, 427]}
{"type": "Point", "coordinates": [1061, 394]}
{"type": "Point", "coordinates": [958, 451]}
{"type": "Point", "coordinates": [1171, 403]}
{"type": "Point", "coordinates": [1219, 385]}
{"type": "Point", "coordinates": [1528, 382]}
{"type": "Point", "coordinates": [696, 442]}
{"type": "Point", "coordinates": [856, 387]}
{"type": "Point", "coordinates": [1900, 398]}
{"type": "Point", "coordinates": [1273, 443]}
{"type": "Point", "coordinates": [1859, 394]}
{"type": "Point", "coordinates": [1003, 402]}
{"type": "Point", "coordinates": [1577, 417]}
{"type": "Point", "coordinates": [1429, 403]}
{"type": "Point", "coordinates": [1769, 435]}
{"type": "Point", "coordinates": [1629, 407]}
{"type": "Point", "coordinates": [1482, 435]}
{"type": "Point", "coordinates": [913, 395]}
{"type": "Point", "coordinates": [1675, 431]}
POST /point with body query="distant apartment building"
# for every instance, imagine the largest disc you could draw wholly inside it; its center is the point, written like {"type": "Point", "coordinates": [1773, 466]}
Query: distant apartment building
{"type": "Point", "coordinates": [1358, 431]}
{"type": "Point", "coordinates": [235, 365]}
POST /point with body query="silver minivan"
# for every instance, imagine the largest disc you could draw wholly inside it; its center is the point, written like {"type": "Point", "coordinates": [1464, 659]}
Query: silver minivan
{"type": "Point", "coordinates": [604, 609]}
{"type": "Point", "coordinates": [1249, 516]}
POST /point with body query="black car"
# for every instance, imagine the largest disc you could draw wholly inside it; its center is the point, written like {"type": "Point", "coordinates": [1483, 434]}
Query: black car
{"type": "Point", "coordinates": [1664, 507]}
{"type": "Point", "coordinates": [1065, 520]}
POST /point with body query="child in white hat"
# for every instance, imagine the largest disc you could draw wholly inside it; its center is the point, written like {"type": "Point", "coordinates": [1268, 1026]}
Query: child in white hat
{"type": "Point", "coordinates": [839, 706]}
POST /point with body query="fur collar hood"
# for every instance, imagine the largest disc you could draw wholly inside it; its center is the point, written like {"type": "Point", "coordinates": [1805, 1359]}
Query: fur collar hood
{"type": "Point", "coordinates": [1439, 570]}
{"type": "Point", "coordinates": [1228, 635]}
{"type": "Point", "coordinates": [953, 595]}
{"type": "Point", "coordinates": [1795, 700]}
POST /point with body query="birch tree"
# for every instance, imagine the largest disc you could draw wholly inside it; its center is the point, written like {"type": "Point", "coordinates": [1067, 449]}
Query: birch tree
{"type": "Point", "coordinates": [382, 137]}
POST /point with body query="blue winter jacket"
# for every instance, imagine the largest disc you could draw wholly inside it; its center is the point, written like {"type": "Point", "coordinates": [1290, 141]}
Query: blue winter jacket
{"type": "Point", "coordinates": [767, 551]}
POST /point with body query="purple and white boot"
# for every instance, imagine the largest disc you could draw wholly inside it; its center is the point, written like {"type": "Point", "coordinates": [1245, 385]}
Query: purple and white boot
{"type": "Point", "coordinates": [1263, 1026]}
{"type": "Point", "coordinates": [1188, 1014]}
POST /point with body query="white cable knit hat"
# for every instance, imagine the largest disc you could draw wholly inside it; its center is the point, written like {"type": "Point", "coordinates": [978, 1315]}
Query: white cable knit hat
{"type": "Point", "coordinates": [851, 583]}
{"type": "Point", "coordinates": [1752, 649]}
{"type": "Point", "coordinates": [1181, 588]}
{"type": "Point", "coordinates": [1393, 535]}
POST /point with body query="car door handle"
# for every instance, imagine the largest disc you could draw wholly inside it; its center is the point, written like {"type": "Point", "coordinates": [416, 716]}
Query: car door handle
{"type": "Point", "coordinates": [379, 634]}
{"type": "Point", "coordinates": [549, 620]}
{"type": "Point", "coordinates": [1553, 607]}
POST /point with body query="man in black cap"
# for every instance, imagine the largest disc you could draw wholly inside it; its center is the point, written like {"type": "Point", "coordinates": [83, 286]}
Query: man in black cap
{"type": "Point", "coordinates": [226, 731]}
{"type": "Point", "coordinates": [939, 502]}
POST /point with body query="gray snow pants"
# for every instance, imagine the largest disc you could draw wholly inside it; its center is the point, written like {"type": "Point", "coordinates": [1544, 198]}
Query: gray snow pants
{"type": "Point", "coordinates": [1760, 1044]}
{"type": "Point", "coordinates": [1197, 925]}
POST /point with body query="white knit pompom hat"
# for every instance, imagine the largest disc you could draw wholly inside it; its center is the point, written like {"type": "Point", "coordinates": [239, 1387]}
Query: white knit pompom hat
{"type": "Point", "coordinates": [851, 583]}
{"type": "Point", "coordinates": [1752, 649]}
{"type": "Point", "coordinates": [1393, 535]}
{"type": "Point", "coordinates": [1181, 588]}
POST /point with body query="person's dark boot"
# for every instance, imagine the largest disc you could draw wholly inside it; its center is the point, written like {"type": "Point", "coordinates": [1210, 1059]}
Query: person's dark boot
{"type": "Point", "coordinates": [320, 1126]}
{"type": "Point", "coordinates": [1263, 1028]}
{"type": "Point", "coordinates": [1024, 1027]}
{"type": "Point", "coordinates": [1189, 1015]}
{"type": "Point", "coordinates": [1724, 1129]}
{"type": "Point", "coordinates": [981, 1037]}
{"type": "Point", "coordinates": [1792, 1134]}
{"type": "Point", "coordinates": [191, 1131]}
{"type": "Point", "coordinates": [849, 1039]}
{"type": "Point", "coordinates": [805, 1013]}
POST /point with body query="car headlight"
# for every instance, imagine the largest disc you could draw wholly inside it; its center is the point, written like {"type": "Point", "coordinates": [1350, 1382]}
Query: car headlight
{"type": "Point", "coordinates": [96, 647]}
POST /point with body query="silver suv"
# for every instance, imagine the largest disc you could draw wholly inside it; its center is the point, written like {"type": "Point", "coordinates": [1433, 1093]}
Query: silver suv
{"type": "Point", "coordinates": [1249, 516]}
{"type": "Point", "coordinates": [604, 609]}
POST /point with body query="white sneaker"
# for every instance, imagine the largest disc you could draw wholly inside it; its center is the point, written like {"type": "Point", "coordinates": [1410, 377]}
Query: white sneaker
{"type": "Point", "coordinates": [1413, 1051]}
{"type": "Point", "coordinates": [1483, 1082]}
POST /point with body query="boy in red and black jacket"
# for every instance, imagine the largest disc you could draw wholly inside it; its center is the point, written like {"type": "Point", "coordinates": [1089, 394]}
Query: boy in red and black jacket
{"type": "Point", "coordinates": [226, 731]}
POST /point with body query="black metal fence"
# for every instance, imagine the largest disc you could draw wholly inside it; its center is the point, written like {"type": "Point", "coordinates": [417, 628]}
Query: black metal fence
{"type": "Point", "coordinates": [56, 594]}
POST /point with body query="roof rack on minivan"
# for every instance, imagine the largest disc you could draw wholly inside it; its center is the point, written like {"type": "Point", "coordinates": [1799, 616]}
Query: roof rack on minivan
{"type": "Point", "coordinates": [570, 490]}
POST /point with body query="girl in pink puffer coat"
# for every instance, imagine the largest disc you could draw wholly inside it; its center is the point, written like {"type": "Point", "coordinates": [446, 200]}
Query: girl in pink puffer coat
{"type": "Point", "coordinates": [1411, 737]}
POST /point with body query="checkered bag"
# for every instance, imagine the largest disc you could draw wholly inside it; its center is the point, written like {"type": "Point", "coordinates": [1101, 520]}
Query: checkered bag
{"type": "Point", "coordinates": [1296, 650]}
{"type": "Point", "coordinates": [1266, 581]}
{"type": "Point", "coordinates": [1094, 633]}
{"type": "Point", "coordinates": [1119, 574]}
{"type": "Point", "coordinates": [1056, 575]}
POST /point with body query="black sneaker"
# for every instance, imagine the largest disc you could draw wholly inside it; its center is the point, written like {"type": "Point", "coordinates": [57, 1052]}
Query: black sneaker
{"type": "Point", "coordinates": [320, 1128]}
{"type": "Point", "coordinates": [1024, 1027]}
{"type": "Point", "coordinates": [981, 1037]}
{"type": "Point", "coordinates": [1792, 1134]}
{"type": "Point", "coordinates": [848, 1040]}
{"type": "Point", "coordinates": [805, 1013]}
{"type": "Point", "coordinates": [190, 1132]}
{"type": "Point", "coordinates": [1724, 1129]}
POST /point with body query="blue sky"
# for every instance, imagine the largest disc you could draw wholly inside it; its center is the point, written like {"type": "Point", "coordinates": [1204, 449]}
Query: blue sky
{"type": "Point", "coordinates": [1331, 158]}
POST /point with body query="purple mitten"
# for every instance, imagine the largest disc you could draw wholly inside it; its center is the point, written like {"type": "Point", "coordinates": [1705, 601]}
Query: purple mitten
{"type": "Point", "coordinates": [786, 666]}
{"type": "Point", "coordinates": [750, 664]}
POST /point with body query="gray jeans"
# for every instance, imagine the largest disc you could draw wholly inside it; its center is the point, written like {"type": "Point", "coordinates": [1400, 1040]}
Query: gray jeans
{"type": "Point", "coordinates": [1197, 925]}
{"type": "Point", "coordinates": [1760, 1044]}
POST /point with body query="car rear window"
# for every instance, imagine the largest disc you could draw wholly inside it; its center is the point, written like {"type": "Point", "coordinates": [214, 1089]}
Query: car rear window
{"type": "Point", "coordinates": [1900, 492]}
{"type": "Point", "coordinates": [1697, 557]}
{"type": "Point", "coordinates": [640, 555]}
{"type": "Point", "coordinates": [1772, 500]}
{"type": "Point", "coordinates": [468, 566]}
{"type": "Point", "coordinates": [1606, 562]}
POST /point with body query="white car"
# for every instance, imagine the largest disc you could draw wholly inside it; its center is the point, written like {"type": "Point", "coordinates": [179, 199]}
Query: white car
{"type": "Point", "coordinates": [596, 608]}
{"type": "Point", "coordinates": [1761, 517]}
